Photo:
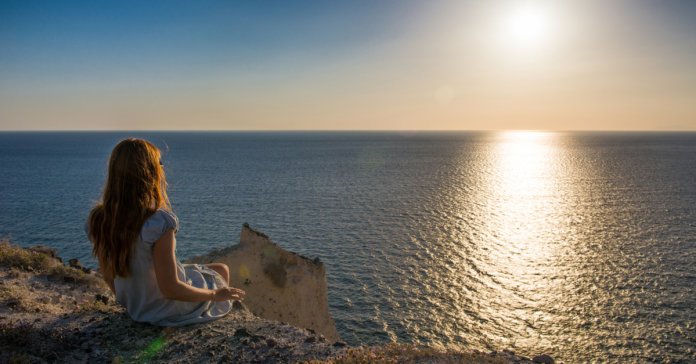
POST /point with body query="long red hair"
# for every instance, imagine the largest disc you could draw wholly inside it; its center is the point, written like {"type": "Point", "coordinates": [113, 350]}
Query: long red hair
{"type": "Point", "coordinates": [135, 188]}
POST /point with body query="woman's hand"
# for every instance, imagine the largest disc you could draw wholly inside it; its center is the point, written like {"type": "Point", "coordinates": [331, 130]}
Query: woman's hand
{"type": "Point", "coordinates": [165, 262]}
{"type": "Point", "coordinates": [228, 293]}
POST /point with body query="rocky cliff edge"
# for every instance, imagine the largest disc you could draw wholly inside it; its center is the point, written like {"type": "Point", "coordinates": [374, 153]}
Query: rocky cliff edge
{"type": "Point", "coordinates": [56, 313]}
{"type": "Point", "coordinates": [280, 285]}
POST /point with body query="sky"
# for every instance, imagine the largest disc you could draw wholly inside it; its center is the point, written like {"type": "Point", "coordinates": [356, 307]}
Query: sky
{"type": "Point", "coordinates": [348, 65]}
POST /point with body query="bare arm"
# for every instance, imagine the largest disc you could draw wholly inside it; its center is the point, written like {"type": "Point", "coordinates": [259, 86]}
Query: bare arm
{"type": "Point", "coordinates": [164, 259]}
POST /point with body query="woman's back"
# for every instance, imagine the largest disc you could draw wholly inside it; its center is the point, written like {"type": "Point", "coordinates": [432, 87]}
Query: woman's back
{"type": "Point", "coordinates": [141, 295]}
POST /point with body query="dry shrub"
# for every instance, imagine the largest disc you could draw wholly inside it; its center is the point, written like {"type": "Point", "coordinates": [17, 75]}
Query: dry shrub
{"type": "Point", "coordinates": [12, 256]}
{"type": "Point", "coordinates": [15, 257]}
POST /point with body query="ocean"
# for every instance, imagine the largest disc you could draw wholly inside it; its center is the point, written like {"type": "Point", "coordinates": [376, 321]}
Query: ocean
{"type": "Point", "coordinates": [579, 245]}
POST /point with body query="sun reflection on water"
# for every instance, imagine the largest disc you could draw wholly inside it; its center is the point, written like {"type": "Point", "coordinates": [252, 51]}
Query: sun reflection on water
{"type": "Point", "coordinates": [519, 198]}
{"type": "Point", "coordinates": [542, 242]}
{"type": "Point", "coordinates": [524, 177]}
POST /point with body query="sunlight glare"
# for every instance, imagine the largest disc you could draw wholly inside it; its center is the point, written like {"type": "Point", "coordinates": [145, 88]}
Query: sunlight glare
{"type": "Point", "coordinates": [527, 25]}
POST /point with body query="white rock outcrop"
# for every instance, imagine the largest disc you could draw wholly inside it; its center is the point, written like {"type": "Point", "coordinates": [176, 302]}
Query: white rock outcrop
{"type": "Point", "coordinates": [280, 285]}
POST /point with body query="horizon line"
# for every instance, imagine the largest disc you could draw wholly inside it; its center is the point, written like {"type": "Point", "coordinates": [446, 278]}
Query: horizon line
{"type": "Point", "coordinates": [344, 130]}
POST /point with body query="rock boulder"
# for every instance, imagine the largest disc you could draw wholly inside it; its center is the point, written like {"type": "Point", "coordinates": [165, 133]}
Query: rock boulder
{"type": "Point", "coordinates": [280, 285]}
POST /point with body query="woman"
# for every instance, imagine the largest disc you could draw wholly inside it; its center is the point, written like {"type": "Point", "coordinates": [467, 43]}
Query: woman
{"type": "Point", "coordinates": [133, 232]}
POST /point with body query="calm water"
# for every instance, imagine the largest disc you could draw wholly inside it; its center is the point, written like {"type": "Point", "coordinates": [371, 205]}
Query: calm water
{"type": "Point", "coordinates": [581, 245]}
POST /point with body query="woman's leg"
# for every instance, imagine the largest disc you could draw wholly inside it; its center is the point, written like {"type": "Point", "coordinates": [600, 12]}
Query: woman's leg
{"type": "Point", "coordinates": [221, 268]}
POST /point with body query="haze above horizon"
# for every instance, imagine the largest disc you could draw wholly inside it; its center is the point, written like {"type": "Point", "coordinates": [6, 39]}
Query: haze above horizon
{"type": "Point", "coordinates": [348, 65]}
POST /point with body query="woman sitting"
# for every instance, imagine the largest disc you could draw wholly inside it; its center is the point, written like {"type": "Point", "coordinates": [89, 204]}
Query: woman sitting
{"type": "Point", "coordinates": [133, 232]}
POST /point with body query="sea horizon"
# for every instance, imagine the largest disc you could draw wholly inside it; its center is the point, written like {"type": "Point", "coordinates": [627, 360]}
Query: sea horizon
{"type": "Point", "coordinates": [309, 131]}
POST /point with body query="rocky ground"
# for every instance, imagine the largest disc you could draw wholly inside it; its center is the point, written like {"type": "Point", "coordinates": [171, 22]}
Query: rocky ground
{"type": "Point", "coordinates": [50, 312]}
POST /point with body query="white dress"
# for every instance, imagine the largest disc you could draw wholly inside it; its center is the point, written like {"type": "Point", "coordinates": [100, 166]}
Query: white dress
{"type": "Point", "coordinates": [140, 294]}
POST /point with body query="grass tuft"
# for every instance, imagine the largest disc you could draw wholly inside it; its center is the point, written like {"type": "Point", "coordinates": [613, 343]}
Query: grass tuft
{"type": "Point", "coordinates": [12, 256]}
{"type": "Point", "coordinates": [38, 262]}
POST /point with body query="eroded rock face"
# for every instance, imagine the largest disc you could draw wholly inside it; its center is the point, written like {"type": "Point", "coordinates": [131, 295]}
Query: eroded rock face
{"type": "Point", "coordinates": [280, 285]}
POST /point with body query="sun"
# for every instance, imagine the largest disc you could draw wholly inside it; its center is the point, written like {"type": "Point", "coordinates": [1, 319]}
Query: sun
{"type": "Point", "coordinates": [527, 25]}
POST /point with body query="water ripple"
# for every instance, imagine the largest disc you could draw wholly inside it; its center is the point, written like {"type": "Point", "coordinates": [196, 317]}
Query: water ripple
{"type": "Point", "coordinates": [572, 244]}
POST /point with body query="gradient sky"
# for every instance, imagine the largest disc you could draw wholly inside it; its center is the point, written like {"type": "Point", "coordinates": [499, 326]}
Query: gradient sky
{"type": "Point", "coordinates": [326, 65]}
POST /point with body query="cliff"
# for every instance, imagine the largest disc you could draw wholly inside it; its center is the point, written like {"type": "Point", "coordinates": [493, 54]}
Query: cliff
{"type": "Point", "coordinates": [280, 285]}
{"type": "Point", "coordinates": [55, 313]}
{"type": "Point", "coordinates": [50, 313]}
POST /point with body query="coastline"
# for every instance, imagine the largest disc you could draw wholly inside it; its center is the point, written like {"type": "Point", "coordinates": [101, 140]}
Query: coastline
{"type": "Point", "coordinates": [50, 312]}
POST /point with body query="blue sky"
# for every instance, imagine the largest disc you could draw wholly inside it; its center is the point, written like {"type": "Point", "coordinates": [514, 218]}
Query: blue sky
{"type": "Point", "coordinates": [344, 65]}
{"type": "Point", "coordinates": [74, 38]}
